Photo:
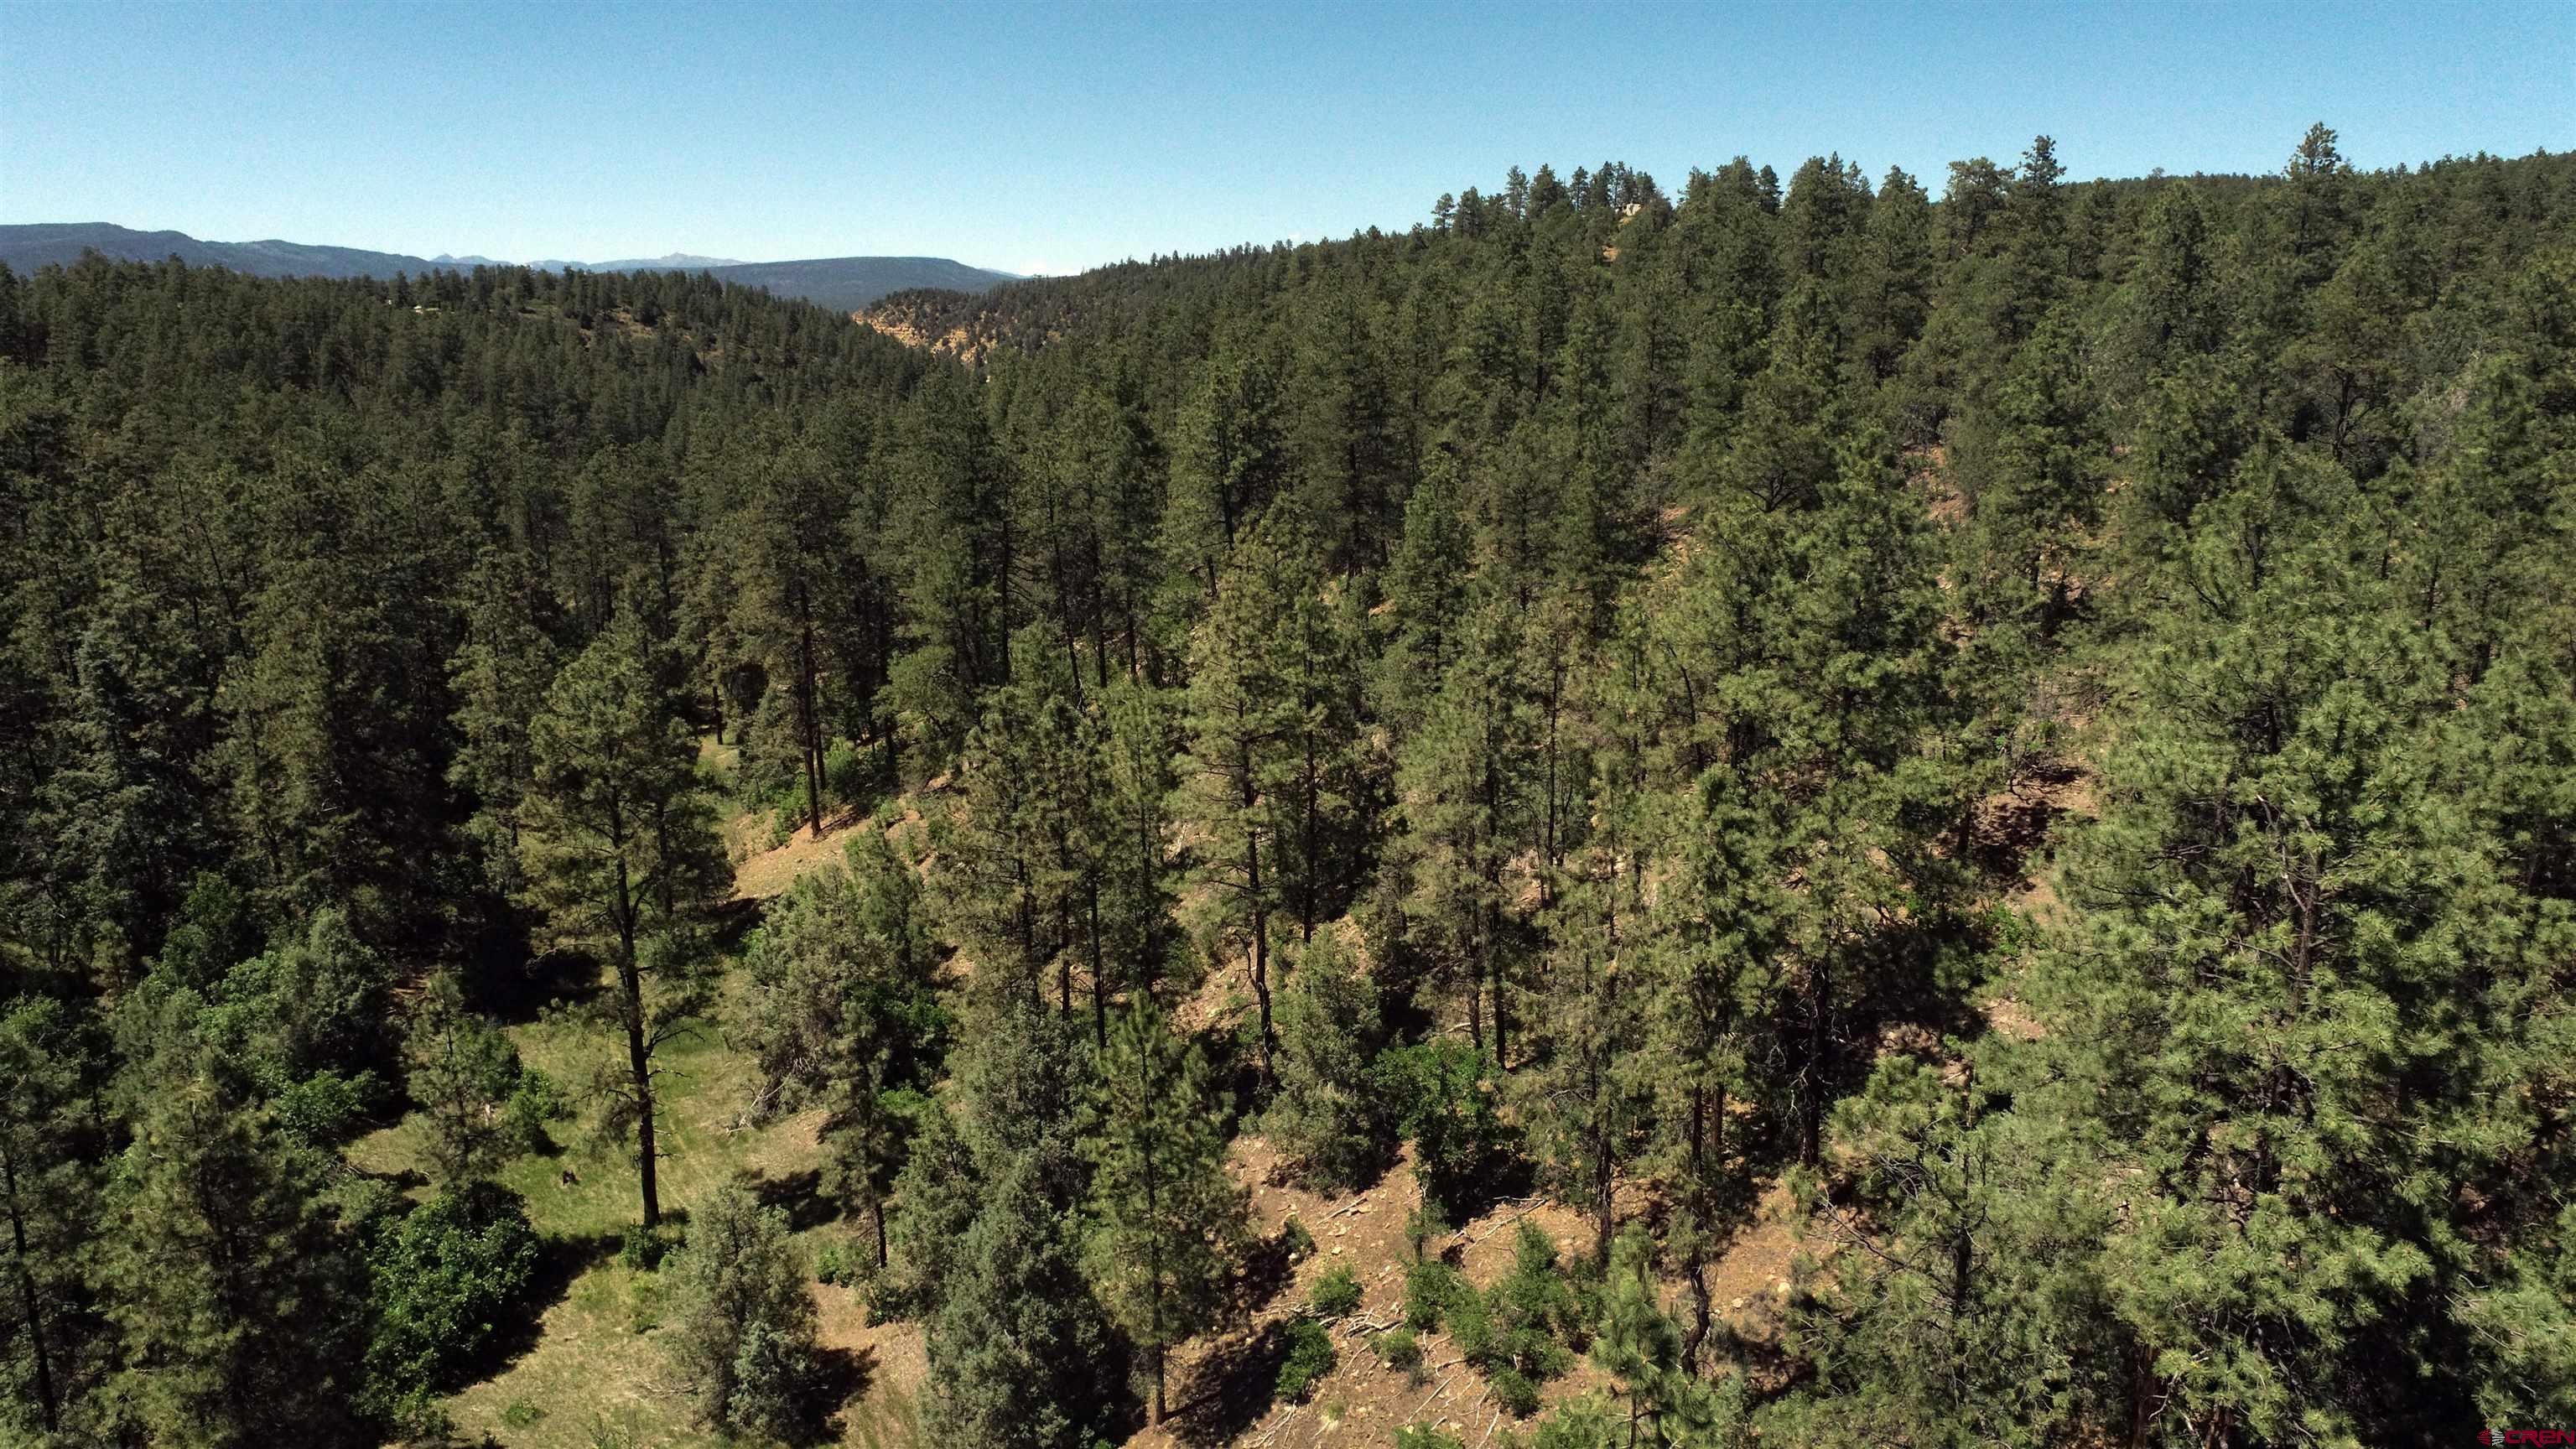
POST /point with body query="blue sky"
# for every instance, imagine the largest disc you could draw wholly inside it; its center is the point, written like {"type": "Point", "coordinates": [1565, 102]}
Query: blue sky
{"type": "Point", "coordinates": [1047, 138]}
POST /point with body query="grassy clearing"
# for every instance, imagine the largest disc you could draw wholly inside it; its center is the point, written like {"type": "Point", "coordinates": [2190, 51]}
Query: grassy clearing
{"type": "Point", "coordinates": [592, 1372]}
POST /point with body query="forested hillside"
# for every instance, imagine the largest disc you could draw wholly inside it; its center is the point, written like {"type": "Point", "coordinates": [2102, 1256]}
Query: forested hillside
{"type": "Point", "coordinates": [1322, 844]}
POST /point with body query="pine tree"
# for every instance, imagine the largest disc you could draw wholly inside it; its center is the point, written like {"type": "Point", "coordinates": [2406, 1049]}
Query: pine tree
{"type": "Point", "coordinates": [1585, 1105]}
{"type": "Point", "coordinates": [1138, 746]}
{"type": "Point", "coordinates": [1239, 712]}
{"type": "Point", "coordinates": [1463, 788]}
{"type": "Point", "coordinates": [1166, 1213]}
{"type": "Point", "coordinates": [617, 849]}
{"type": "Point", "coordinates": [742, 1327]}
{"type": "Point", "coordinates": [843, 1013]}
{"type": "Point", "coordinates": [499, 676]}
{"type": "Point", "coordinates": [462, 1073]}
{"type": "Point", "coordinates": [49, 1192]}
{"type": "Point", "coordinates": [1326, 1115]}
{"type": "Point", "coordinates": [236, 1297]}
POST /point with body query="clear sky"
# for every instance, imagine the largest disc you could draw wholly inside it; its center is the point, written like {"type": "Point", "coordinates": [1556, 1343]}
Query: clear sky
{"type": "Point", "coordinates": [1048, 138]}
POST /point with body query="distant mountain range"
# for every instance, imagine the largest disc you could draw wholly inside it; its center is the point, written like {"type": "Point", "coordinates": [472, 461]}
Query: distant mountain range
{"type": "Point", "coordinates": [841, 283]}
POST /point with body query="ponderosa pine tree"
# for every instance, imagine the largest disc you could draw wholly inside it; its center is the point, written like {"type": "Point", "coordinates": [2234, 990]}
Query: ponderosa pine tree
{"type": "Point", "coordinates": [50, 1146]}
{"type": "Point", "coordinates": [499, 676]}
{"type": "Point", "coordinates": [2266, 998]}
{"type": "Point", "coordinates": [844, 1013]}
{"type": "Point", "coordinates": [1166, 1217]}
{"type": "Point", "coordinates": [1139, 742]}
{"type": "Point", "coordinates": [235, 1295]}
{"type": "Point", "coordinates": [617, 852]}
{"type": "Point", "coordinates": [1586, 1103]}
{"type": "Point", "coordinates": [1463, 792]}
{"type": "Point", "coordinates": [1239, 712]}
{"type": "Point", "coordinates": [462, 1072]}
{"type": "Point", "coordinates": [1327, 1115]}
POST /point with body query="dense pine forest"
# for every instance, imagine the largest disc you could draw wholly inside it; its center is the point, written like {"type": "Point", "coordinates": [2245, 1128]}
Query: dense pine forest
{"type": "Point", "coordinates": [1766, 812]}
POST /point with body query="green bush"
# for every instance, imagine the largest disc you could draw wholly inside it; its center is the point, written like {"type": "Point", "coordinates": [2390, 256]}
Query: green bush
{"type": "Point", "coordinates": [1310, 1357]}
{"type": "Point", "coordinates": [1471, 1327]}
{"type": "Point", "coordinates": [1534, 1307]}
{"type": "Point", "coordinates": [1426, 1436]}
{"type": "Point", "coordinates": [1421, 1226]}
{"type": "Point", "coordinates": [1336, 1293]}
{"type": "Point", "coordinates": [325, 1108]}
{"type": "Point", "coordinates": [849, 772]}
{"type": "Point", "coordinates": [1450, 1102]}
{"type": "Point", "coordinates": [1295, 1240]}
{"type": "Point", "coordinates": [1515, 1391]}
{"type": "Point", "coordinates": [1400, 1348]}
{"type": "Point", "coordinates": [535, 1102]}
{"type": "Point", "coordinates": [440, 1277]}
{"type": "Point", "coordinates": [644, 1249]}
{"type": "Point", "coordinates": [1429, 1288]}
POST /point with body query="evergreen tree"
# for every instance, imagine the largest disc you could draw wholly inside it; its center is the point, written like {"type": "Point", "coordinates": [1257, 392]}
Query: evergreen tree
{"type": "Point", "coordinates": [844, 1013]}
{"type": "Point", "coordinates": [1326, 1115]}
{"type": "Point", "coordinates": [463, 1072]}
{"type": "Point", "coordinates": [742, 1328]}
{"type": "Point", "coordinates": [49, 1191]}
{"type": "Point", "coordinates": [233, 1292]}
{"type": "Point", "coordinates": [1166, 1212]}
{"type": "Point", "coordinates": [617, 848]}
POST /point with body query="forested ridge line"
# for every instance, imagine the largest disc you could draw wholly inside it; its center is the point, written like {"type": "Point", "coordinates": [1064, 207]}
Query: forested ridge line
{"type": "Point", "coordinates": [1564, 702]}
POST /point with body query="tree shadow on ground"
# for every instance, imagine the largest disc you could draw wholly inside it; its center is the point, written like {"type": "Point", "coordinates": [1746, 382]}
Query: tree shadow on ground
{"type": "Point", "coordinates": [841, 1378]}
{"type": "Point", "coordinates": [519, 997]}
{"type": "Point", "coordinates": [733, 921]}
{"type": "Point", "coordinates": [1232, 1387]}
{"type": "Point", "coordinates": [799, 1195]}
{"type": "Point", "coordinates": [560, 1261]}
{"type": "Point", "coordinates": [1267, 1270]}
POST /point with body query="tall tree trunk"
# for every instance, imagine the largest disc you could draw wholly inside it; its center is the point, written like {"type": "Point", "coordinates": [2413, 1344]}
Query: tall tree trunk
{"type": "Point", "coordinates": [1696, 1270]}
{"type": "Point", "coordinates": [1308, 869]}
{"type": "Point", "coordinates": [1820, 1062]}
{"type": "Point", "coordinates": [27, 1295]}
{"type": "Point", "coordinates": [639, 1061]}
{"type": "Point", "coordinates": [1260, 915]}
{"type": "Point", "coordinates": [810, 708]}
{"type": "Point", "coordinates": [1099, 974]}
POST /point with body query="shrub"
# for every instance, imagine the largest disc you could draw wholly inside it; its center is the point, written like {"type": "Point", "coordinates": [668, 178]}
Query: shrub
{"type": "Point", "coordinates": [1534, 1307]}
{"type": "Point", "coordinates": [1336, 1293]}
{"type": "Point", "coordinates": [848, 774]}
{"type": "Point", "coordinates": [1401, 1348]}
{"type": "Point", "coordinates": [440, 1277]}
{"type": "Point", "coordinates": [1429, 1288]}
{"type": "Point", "coordinates": [1421, 1226]}
{"type": "Point", "coordinates": [535, 1102]}
{"type": "Point", "coordinates": [835, 1264]}
{"type": "Point", "coordinates": [644, 1249]}
{"type": "Point", "coordinates": [326, 1107]}
{"type": "Point", "coordinates": [1515, 1391]}
{"type": "Point", "coordinates": [1471, 1327]}
{"type": "Point", "coordinates": [1426, 1436]}
{"type": "Point", "coordinates": [1450, 1102]}
{"type": "Point", "coordinates": [1295, 1240]}
{"type": "Point", "coordinates": [1310, 1357]}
